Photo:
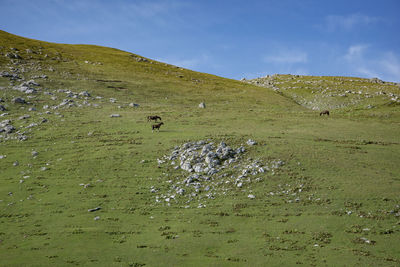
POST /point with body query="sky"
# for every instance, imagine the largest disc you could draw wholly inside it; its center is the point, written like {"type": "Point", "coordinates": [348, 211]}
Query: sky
{"type": "Point", "coordinates": [229, 38]}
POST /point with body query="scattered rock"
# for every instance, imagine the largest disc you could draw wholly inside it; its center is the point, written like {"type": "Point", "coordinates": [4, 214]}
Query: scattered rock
{"type": "Point", "coordinates": [251, 196]}
{"type": "Point", "coordinates": [13, 55]}
{"type": "Point", "coordinates": [115, 115]}
{"type": "Point", "coordinates": [19, 100]}
{"type": "Point", "coordinates": [33, 124]}
{"type": "Point", "coordinates": [84, 93]}
{"type": "Point", "coordinates": [202, 105]}
{"type": "Point", "coordinates": [134, 105]}
{"type": "Point", "coordinates": [251, 142]}
{"type": "Point", "coordinates": [5, 126]}
{"type": "Point", "coordinates": [24, 117]}
{"type": "Point", "coordinates": [203, 170]}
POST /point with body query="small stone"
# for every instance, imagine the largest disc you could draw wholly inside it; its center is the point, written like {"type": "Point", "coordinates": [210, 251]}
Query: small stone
{"type": "Point", "coordinates": [202, 105]}
{"type": "Point", "coordinates": [16, 163]}
{"type": "Point", "coordinates": [84, 93]}
{"type": "Point", "coordinates": [97, 218]}
{"type": "Point", "coordinates": [24, 117]}
{"type": "Point", "coordinates": [251, 142]}
{"type": "Point", "coordinates": [115, 116]}
{"type": "Point", "coordinates": [251, 196]}
{"type": "Point", "coordinates": [19, 100]}
{"type": "Point", "coordinates": [34, 153]}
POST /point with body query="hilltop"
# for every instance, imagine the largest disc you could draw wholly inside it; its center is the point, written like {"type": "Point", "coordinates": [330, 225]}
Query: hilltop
{"type": "Point", "coordinates": [252, 176]}
{"type": "Point", "coordinates": [327, 92]}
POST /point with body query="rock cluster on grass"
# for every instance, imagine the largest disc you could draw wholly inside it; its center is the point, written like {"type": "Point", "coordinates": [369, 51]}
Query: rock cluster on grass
{"type": "Point", "coordinates": [203, 170]}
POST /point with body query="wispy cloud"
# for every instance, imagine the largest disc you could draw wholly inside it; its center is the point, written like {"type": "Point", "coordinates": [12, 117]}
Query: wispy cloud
{"type": "Point", "coordinates": [287, 57]}
{"type": "Point", "coordinates": [355, 52]}
{"type": "Point", "coordinates": [195, 63]}
{"type": "Point", "coordinates": [283, 59]}
{"type": "Point", "coordinates": [368, 63]}
{"type": "Point", "coordinates": [348, 22]}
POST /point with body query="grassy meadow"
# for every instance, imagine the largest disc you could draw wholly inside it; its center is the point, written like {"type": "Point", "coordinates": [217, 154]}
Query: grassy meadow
{"type": "Point", "coordinates": [334, 202]}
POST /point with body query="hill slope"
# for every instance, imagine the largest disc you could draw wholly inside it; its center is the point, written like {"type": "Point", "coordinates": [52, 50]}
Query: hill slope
{"type": "Point", "coordinates": [85, 181]}
{"type": "Point", "coordinates": [334, 93]}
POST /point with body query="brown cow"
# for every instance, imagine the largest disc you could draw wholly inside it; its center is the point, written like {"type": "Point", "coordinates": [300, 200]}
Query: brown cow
{"type": "Point", "coordinates": [154, 118]}
{"type": "Point", "coordinates": [156, 126]}
{"type": "Point", "coordinates": [324, 112]}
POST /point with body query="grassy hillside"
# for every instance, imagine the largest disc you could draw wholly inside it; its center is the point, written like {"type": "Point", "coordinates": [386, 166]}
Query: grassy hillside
{"type": "Point", "coordinates": [81, 187]}
{"type": "Point", "coordinates": [373, 97]}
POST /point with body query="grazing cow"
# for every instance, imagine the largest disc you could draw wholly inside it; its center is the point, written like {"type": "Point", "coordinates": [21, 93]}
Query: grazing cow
{"type": "Point", "coordinates": [324, 112]}
{"type": "Point", "coordinates": [154, 118]}
{"type": "Point", "coordinates": [156, 126]}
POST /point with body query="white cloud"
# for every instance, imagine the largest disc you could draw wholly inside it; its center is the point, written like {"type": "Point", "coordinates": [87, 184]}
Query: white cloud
{"type": "Point", "coordinates": [355, 52]}
{"type": "Point", "coordinates": [349, 22]}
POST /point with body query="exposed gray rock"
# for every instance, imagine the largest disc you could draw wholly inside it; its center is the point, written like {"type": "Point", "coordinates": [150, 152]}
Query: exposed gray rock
{"type": "Point", "coordinates": [251, 142]}
{"type": "Point", "coordinates": [67, 102]}
{"type": "Point", "coordinates": [206, 171]}
{"type": "Point", "coordinates": [134, 105]}
{"type": "Point", "coordinates": [2, 108]}
{"type": "Point", "coordinates": [13, 56]}
{"type": "Point", "coordinates": [115, 115]}
{"type": "Point", "coordinates": [19, 100]}
{"type": "Point", "coordinates": [202, 105]}
{"type": "Point", "coordinates": [33, 124]}
{"type": "Point", "coordinates": [8, 129]}
{"type": "Point", "coordinates": [24, 117]}
{"type": "Point", "coordinates": [84, 93]}
{"type": "Point", "coordinates": [186, 166]}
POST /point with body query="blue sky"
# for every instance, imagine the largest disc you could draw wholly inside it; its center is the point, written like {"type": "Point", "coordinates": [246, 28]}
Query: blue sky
{"type": "Point", "coordinates": [232, 38]}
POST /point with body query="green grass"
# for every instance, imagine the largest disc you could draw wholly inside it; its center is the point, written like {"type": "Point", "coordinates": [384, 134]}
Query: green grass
{"type": "Point", "coordinates": [347, 164]}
